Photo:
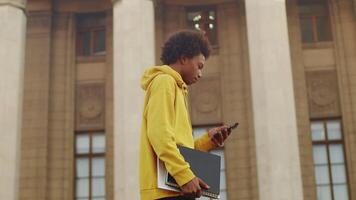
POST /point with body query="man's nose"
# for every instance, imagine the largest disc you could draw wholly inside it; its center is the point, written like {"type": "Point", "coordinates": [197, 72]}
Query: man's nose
{"type": "Point", "coordinates": [200, 74]}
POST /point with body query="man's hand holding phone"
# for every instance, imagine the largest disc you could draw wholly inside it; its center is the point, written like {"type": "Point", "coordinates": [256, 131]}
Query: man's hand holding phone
{"type": "Point", "coordinates": [218, 135]}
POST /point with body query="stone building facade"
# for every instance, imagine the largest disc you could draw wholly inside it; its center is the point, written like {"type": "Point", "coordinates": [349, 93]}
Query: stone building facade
{"type": "Point", "coordinates": [71, 103]}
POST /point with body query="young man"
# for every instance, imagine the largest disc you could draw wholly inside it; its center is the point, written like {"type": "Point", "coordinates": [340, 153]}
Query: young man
{"type": "Point", "coordinates": [166, 121]}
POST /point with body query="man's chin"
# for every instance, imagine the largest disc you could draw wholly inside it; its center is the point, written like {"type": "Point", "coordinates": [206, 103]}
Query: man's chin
{"type": "Point", "coordinates": [191, 82]}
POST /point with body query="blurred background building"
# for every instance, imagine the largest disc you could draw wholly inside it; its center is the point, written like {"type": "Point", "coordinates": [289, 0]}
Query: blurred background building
{"type": "Point", "coordinates": [71, 104]}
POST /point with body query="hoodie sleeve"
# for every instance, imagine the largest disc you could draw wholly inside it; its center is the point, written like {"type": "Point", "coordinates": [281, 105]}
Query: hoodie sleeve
{"type": "Point", "coordinates": [204, 143]}
{"type": "Point", "coordinates": [160, 115]}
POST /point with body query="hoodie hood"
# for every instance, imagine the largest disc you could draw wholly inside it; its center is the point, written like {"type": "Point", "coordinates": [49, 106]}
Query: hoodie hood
{"type": "Point", "coordinates": [152, 72]}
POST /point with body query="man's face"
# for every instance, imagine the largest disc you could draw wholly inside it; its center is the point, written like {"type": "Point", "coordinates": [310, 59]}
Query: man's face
{"type": "Point", "coordinates": [192, 68]}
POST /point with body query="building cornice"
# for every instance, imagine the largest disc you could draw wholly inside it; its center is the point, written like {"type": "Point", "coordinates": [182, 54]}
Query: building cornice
{"type": "Point", "coordinates": [16, 4]}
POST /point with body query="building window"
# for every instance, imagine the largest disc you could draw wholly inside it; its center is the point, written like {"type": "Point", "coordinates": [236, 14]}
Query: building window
{"type": "Point", "coordinates": [199, 131]}
{"type": "Point", "coordinates": [314, 21]}
{"type": "Point", "coordinates": [329, 160]}
{"type": "Point", "coordinates": [90, 166]}
{"type": "Point", "coordinates": [91, 35]}
{"type": "Point", "coordinates": [203, 19]}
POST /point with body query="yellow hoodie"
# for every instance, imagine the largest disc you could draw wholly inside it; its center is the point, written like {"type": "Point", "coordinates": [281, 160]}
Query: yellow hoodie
{"type": "Point", "coordinates": [165, 124]}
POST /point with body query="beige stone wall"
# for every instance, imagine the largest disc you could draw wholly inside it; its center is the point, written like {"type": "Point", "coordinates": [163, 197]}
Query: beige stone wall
{"type": "Point", "coordinates": [168, 19]}
{"type": "Point", "coordinates": [51, 77]}
{"type": "Point", "coordinates": [236, 101]}
{"type": "Point", "coordinates": [274, 116]}
{"type": "Point", "coordinates": [333, 64]}
{"type": "Point", "coordinates": [61, 109]}
{"type": "Point", "coordinates": [36, 107]}
{"type": "Point", "coordinates": [344, 33]}
{"type": "Point", "coordinates": [233, 61]}
{"type": "Point", "coordinates": [301, 101]}
{"type": "Point", "coordinates": [47, 168]}
{"type": "Point", "coordinates": [12, 54]}
{"type": "Point", "coordinates": [109, 125]}
{"type": "Point", "coordinates": [248, 131]}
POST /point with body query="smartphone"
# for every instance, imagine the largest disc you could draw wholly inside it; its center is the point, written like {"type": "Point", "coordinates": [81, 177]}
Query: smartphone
{"type": "Point", "coordinates": [232, 126]}
{"type": "Point", "coordinates": [229, 128]}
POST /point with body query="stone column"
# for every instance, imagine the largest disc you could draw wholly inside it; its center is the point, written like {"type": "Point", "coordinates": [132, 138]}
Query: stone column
{"type": "Point", "coordinates": [133, 52]}
{"type": "Point", "coordinates": [274, 115]}
{"type": "Point", "coordinates": [12, 49]}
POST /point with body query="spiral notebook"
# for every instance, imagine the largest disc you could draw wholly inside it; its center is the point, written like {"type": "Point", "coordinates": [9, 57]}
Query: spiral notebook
{"type": "Point", "coordinates": [204, 165]}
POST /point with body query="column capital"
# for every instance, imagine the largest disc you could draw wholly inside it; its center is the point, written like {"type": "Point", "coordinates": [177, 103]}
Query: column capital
{"type": "Point", "coordinates": [21, 4]}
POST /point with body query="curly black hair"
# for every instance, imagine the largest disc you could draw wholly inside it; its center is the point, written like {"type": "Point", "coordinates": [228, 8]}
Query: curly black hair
{"type": "Point", "coordinates": [187, 43]}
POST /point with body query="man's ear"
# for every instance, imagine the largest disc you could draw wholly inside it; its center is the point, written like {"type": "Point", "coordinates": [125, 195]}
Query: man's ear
{"type": "Point", "coordinates": [183, 60]}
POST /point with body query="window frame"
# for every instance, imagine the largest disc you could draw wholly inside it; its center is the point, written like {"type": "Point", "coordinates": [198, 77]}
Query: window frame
{"type": "Point", "coordinates": [327, 144]}
{"type": "Point", "coordinates": [93, 40]}
{"type": "Point", "coordinates": [205, 9]}
{"type": "Point", "coordinates": [314, 16]}
{"type": "Point", "coordinates": [91, 31]}
{"type": "Point", "coordinates": [90, 155]}
{"type": "Point", "coordinates": [82, 27]}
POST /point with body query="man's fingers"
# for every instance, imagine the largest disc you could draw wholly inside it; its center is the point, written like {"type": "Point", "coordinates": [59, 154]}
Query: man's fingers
{"type": "Point", "coordinates": [203, 184]}
{"type": "Point", "coordinates": [215, 141]}
{"type": "Point", "coordinates": [229, 132]}
{"type": "Point", "coordinates": [198, 193]}
{"type": "Point", "coordinates": [190, 193]}
{"type": "Point", "coordinates": [192, 189]}
{"type": "Point", "coordinates": [226, 128]}
{"type": "Point", "coordinates": [218, 136]}
{"type": "Point", "coordinates": [224, 133]}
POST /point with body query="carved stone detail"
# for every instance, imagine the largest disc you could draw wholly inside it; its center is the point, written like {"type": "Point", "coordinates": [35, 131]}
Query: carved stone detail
{"type": "Point", "coordinates": [90, 106]}
{"type": "Point", "coordinates": [323, 93]}
{"type": "Point", "coordinates": [205, 101]}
